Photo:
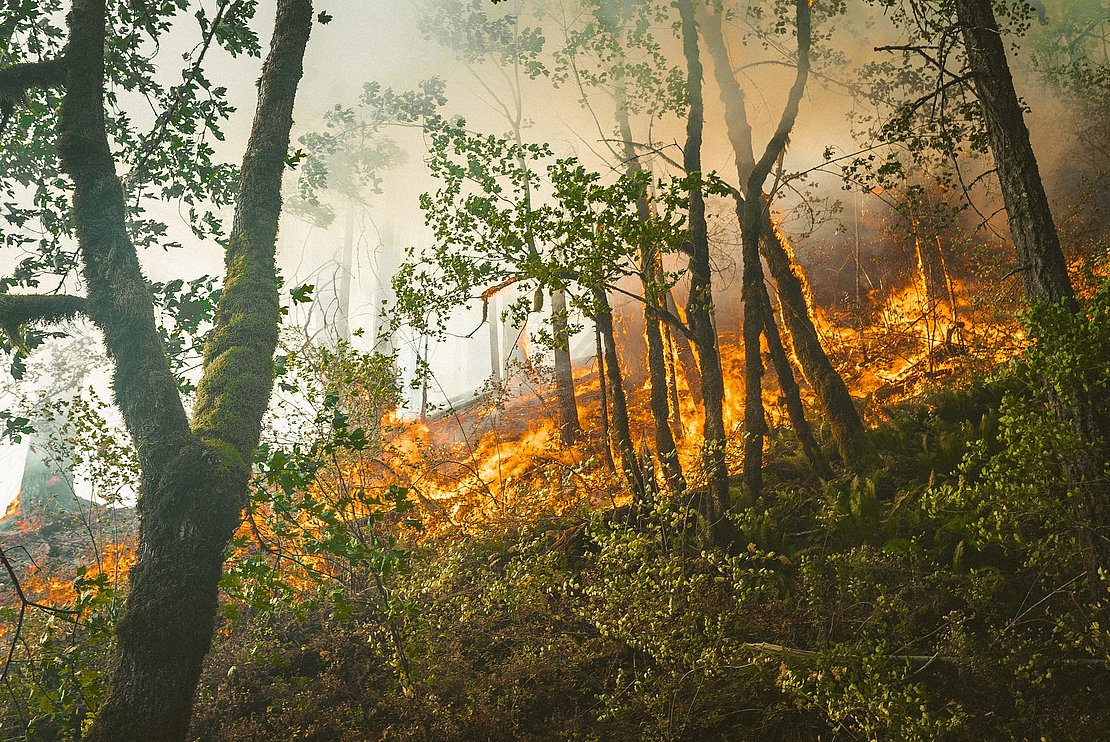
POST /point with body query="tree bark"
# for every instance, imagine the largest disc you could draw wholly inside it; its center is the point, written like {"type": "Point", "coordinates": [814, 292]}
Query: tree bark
{"type": "Point", "coordinates": [683, 348]}
{"type": "Point", "coordinates": [194, 478]}
{"type": "Point", "coordinates": [622, 435]}
{"type": "Point", "coordinates": [699, 307]}
{"type": "Point", "coordinates": [493, 317]}
{"type": "Point", "coordinates": [754, 292]}
{"type": "Point", "coordinates": [665, 447]}
{"type": "Point", "coordinates": [602, 388]}
{"type": "Point", "coordinates": [570, 429]}
{"type": "Point", "coordinates": [672, 383]}
{"type": "Point", "coordinates": [791, 394]}
{"type": "Point", "coordinates": [828, 385]}
{"type": "Point", "coordinates": [1043, 272]}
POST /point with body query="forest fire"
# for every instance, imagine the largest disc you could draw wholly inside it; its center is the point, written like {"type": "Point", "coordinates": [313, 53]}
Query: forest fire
{"type": "Point", "coordinates": [611, 369]}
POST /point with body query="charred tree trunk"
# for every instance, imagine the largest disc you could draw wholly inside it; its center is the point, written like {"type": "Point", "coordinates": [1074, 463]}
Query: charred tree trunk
{"type": "Point", "coordinates": [665, 447]}
{"type": "Point", "coordinates": [194, 479]}
{"type": "Point", "coordinates": [570, 429]}
{"type": "Point", "coordinates": [699, 307]}
{"type": "Point", "coordinates": [829, 387]}
{"type": "Point", "coordinates": [1043, 271]}
{"type": "Point", "coordinates": [622, 434]}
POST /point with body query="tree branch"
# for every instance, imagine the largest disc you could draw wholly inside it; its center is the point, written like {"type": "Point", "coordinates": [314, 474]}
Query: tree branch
{"type": "Point", "coordinates": [18, 79]}
{"type": "Point", "coordinates": [21, 309]}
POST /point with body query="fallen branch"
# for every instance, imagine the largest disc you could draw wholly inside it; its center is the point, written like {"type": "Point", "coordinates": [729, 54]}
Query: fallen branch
{"type": "Point", "coordinates": [921, 661]}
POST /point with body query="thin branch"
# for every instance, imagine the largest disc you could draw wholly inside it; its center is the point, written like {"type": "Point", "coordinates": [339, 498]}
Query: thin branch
{"type": "Point", "coordinates": [920, 660]}
{"type": "Point", "coordinates": [158, 131]}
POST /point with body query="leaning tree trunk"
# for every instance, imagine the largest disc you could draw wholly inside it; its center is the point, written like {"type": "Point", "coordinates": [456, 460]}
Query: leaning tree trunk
{"type": "Point", "coordinates": [665, 447]}
{"type": "Point", "coordinates": [754, 291]}
{"type": "Point", "coordinates": [828, 385]}
{"type": "Point", "coordinates": [699, 307]}
{"type": "Point", "coordinates": [619, 427]}
{"type": "Point", "coordinates": [682, 347]}
{"type": "Point", "coordinates": [569, 426]}
{"type": "Point", "coordinates": [791, 394]}
{"type": "Point", "coordinates": [194, 478]}
{"type": "Point", "coordinates": [1043, 271]}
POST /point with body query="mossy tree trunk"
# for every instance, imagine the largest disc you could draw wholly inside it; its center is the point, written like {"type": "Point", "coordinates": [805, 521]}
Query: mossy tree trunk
{"type": "Point", "coordinates": [1043, 272]}
{"type": "Point", "coordinates": [194, 475]}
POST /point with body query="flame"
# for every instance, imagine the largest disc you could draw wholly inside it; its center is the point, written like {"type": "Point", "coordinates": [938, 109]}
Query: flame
{"type": "Point", "coordinates": [15, 507]}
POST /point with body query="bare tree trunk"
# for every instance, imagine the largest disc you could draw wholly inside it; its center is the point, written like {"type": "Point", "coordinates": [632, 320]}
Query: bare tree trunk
{"type": "Point", "coordinates": [665, 447]}
{"type": "Point", "coordinates": [829, 387]}
{"type": "Point", "coordinates": [755, 293]}
{"type": "Point", "coordinates": [622, 434]}
{"type": "Point", "coordinates": [672, 383]}
{"type": "Point", "coordinates": [1043, 271]}
{"type": "Point", "coordinates": [424, 385]}
{"type": "Point", "coordinates": [493, 317]}
{"type": "Point", "coordinates": [194, 479]}
{"type": "Point", "coordinates": [345, 267]}
{"type": "Point", "coordinates": [570, 429]}
{"type": "Point", "coordinates": [603, 390]}
{"type": "Point", "coordinates": [699, 308]}
{"type": "Point", "coordinates": [792, 395]}
{"type": "Point", "coordinates": [683, 349]}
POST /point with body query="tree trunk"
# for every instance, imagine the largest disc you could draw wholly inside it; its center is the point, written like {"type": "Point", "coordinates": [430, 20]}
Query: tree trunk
{"type": "Point", "coordinates": [699, 307]}
{"type": "Point", "coordinates": [665, 447]}
{"type": "Point", "coordinates": [829, 387]}
{"type": "Point", "coordinates": [1043, 271]}
{"type": "Point", "coordinates": [672, 383]}
{"type": "Point", "coordinates": [792, 395]}
{"type": "Point", "coordinates": [622, 435]}
{"type": "Point", "coordinates": [194, 480]}
{"type": "Point", "coordinates": [604, 392]}
{"type": "Point", "coordinates": [683, 349]}
{"type": "Point", "coordinates": [755, 320]}
{"type": "Point", "coordinates": [345, 267]}
{"type": "Point", "coordinates": [569, 426]}
{"type": "Point", "coordinates": [493, 317]}
{"type": "Point", "coordinates": [751, 223]}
